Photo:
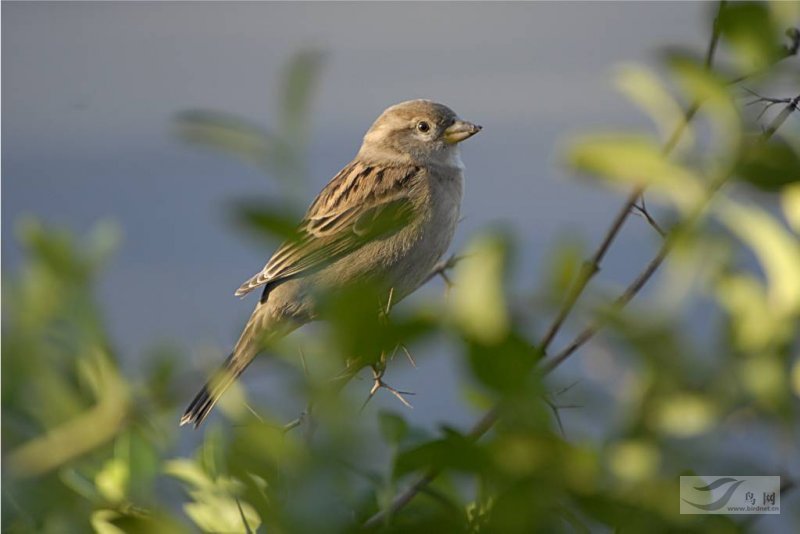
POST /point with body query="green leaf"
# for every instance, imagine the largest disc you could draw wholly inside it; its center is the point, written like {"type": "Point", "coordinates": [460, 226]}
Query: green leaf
{"type": "Point", "coordinates": [749, 29]}
{"type": "Point", "coordinates": [710, 91]}
{"type": "Point", "coordinates": [635, 160]}
{"type": "Point", "coordinates": [266, 219]}
{"type": "Point", "coordinates": [102, 522]}
{"type": "Point", "coordinates": [507, 366]}
{"type": "Point", "coordinates": [112, 480]}
{"type": "Point", "coordinates": [770, 165]}
{"type": "Point", "coordinates": [777, 250]}
{"type": "Point", "coordinates": [790, 202]}
{"type": "Point", "coordinates": [299, 81]}
{"type": "Point", "coordinates": [392, 426]}
{"type": "Point", "coordinates": [189, 472]}
{"type": "Point", "coordinates": [452, 452]}
{"type": "Point", "coordinates": [645, 89]}
{"type": "Point", "coordinates": [215, 506]}
{"type": "Point", "coordinates": [229, 134]}
{"type": "Point", "coordinates": [478, 301]}
{"type": "Point", "coordinates": [223, 514]}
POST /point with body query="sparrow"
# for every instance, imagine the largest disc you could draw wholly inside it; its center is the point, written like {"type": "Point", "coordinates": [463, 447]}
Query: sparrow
{"type": "Point", "coordinates": [388, 216]}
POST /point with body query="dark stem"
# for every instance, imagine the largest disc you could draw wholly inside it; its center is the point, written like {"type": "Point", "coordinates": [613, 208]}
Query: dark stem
{"type": "Point", "coordinates": [592, 265]}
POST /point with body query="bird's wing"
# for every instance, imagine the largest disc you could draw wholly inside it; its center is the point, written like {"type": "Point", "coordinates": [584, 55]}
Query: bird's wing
{"type": "Point", "coordinates": [360, 204]}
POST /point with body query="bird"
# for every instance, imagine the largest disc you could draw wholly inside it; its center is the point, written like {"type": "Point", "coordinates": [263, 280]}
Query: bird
{"type": "Point", "coordinates": [388, 216]}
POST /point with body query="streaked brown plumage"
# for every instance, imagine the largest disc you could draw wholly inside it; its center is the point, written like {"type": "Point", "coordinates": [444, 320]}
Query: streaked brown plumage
{"type": "Point", "coordinates": [388, 215]}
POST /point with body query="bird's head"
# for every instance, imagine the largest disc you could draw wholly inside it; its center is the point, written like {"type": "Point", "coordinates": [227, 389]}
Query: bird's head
{"type": "Point", "coordinates": [417, 131]}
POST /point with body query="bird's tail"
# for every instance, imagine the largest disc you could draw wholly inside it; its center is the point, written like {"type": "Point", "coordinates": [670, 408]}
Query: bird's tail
{"type": "Point", "coordinates": [250, 343]}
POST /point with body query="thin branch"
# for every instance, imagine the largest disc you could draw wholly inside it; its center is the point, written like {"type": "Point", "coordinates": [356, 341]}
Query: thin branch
{"type": "Point", "coordinates": [790, 108]}
{"type": "Point", "coordinates": [441, 268]}
{"type": "Point", "coordinates": [665, 249]}
{"type": "Point", "coordinates": [642, 210]}
{"type": "Point", "coordinates": [592, 266]}
{"type": "Point", "coordinates": [767, 101]}
{"type": "Point", "coordinates": [247, 528]}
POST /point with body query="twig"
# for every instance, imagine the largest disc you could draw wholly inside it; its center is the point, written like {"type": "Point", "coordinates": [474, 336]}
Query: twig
{"type": "Point", "coordinates": [441, 268]}
{"type": "Point", "coordinates": [247, 528]}
{"type": "Point", "coordinates": [592, 265]}
{"type": "Point", "coordinates": [666, 247]}
{"type": "Point", "coordinates": [642, 210]}
{"type": "Point", "coordinates": [767, 101]}
{"type": "Point", "coordinates": [590, 268]}
{"type": "Point", "coordinates": [781, 118]}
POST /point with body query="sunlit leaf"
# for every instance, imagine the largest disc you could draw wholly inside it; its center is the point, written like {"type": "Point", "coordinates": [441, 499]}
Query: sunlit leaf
{"type": "Point", "coordinates": [634, 460]}
{"type": "Point", "coordinates": [777, 250]}
{"type": "Point", "coordinates": [710, 91]}
{"type": "Point", "coordinates": [644, 88]}
{"type": "Point", "coordinates": [189, 472]}
{"type": "Point", "coordinates": [765, 377]}
{"type": "Point", "coordinates": [222, 514]}
{"type": "Point", "coordinates": [632, 160]}
{"type": "Point", "coordinates": [215, 506]}
{"type": "Point", "coordinates": [790, 201]}
{"type": "Point", "coordinates": [683, 414]}
{"type": "Point", "coordinates": [102, 522]}
{"type": "Point", "coordinates": [477, 301]}
{"type": "Point", "coordinates": [755, 323]}
{"type": "Point", "coordinates": [112, 480]}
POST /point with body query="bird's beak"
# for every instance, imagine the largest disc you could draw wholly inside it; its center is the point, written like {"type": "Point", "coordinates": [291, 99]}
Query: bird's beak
{"type": "Point", "coordinates": [460, 130]}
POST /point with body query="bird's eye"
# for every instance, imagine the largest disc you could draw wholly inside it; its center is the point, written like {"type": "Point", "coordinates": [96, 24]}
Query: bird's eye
{"type": "Point", "coordinates": [423, 126]}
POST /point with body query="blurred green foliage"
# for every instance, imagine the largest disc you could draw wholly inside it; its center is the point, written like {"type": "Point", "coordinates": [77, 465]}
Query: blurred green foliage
{"type": "Point", "coordinates": [87, 448]}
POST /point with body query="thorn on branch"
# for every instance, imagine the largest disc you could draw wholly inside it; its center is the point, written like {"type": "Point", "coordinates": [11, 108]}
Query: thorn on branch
{"type": "Point", "coordinates": [389, 302]}
{"type": "Point", "coordinates": [441, 268]}
{"type": "Point", "coordinates": [409, 356]}
{"type": "Point", "coordinates": [378, 371]}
